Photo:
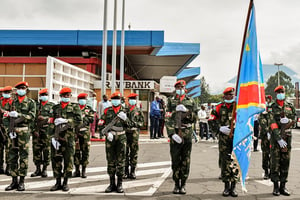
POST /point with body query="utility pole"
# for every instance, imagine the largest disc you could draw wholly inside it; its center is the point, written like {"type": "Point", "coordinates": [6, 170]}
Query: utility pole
{"type": "Point", "coordinates": [278, 64]}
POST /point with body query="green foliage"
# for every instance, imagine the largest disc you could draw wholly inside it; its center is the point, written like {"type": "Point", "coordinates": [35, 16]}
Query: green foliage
{"type": "Point", "coordinates": [206, 97]}
{"type": "Point", "coordinates": [285, 80]}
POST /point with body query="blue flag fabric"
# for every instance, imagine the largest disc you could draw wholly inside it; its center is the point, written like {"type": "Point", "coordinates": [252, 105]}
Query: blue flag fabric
{"type": "Point", "coordinates": [250, 99]}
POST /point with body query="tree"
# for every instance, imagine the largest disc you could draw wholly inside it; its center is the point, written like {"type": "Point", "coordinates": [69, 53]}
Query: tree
{"type": "Point", "coordinates": [204, 91]}
{"type": "Point", "coordinates": [285, 80]}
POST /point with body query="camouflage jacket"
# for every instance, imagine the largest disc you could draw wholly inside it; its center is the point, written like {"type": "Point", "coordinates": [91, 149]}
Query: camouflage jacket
{"type": "Point", "coordinates": [264, 120]}
{"type": "Point", "coordinates": [170, 115]}
{"type": "Point", "coordinates": [45, 112]}
{"type": "Point", "coordinates": [221, 116]}
{"type": "Point", "coordinates": [4, 110]}
{"type": "Point", "coordinates": [136, 117]}
{"type": "Point", "coordinates": [87, 115]}
{"type": "Point", "coordinates": [288, 110]}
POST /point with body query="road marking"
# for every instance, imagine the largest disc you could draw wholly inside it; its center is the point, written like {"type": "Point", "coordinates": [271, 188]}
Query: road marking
{"type": "Point", "coordinates": [265, 182]}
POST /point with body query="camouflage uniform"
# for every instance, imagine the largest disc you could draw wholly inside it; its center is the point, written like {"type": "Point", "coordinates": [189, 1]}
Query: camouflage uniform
{"type": "Point", "coordinates": [41, 137]}
{"type": "Point", "coordinates": [181, 153]}
{"type": "Point", "coordinates": [83, 143]}
{"type": "Point", "coordinates": [136, 118]}
{"type": "Point", "coordinates": [18, 157]}
{"type": "Point", "coordinates": [72, 113]}
{"type": "Point", "coordinates": [222, 117]}
{"type": "Point", "coordinates": [280, 160]}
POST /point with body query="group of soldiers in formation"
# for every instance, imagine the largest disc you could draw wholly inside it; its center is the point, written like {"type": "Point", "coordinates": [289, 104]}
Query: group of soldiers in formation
{"type": "Point", "coordinates": [60, 133]}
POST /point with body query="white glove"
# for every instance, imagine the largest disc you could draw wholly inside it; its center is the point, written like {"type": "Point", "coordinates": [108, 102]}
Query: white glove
{"type": "Point", "coordinates": [110, 136]}
{"type": "Point", "coordinates": [55, 143]}
{"type": "Point", "coordinates": [122, 115]}
{"type": "Point", "coordinates": [12, 135]}
{"type": "Point", "coordinates": [225, 130]}
{"type": "Point", "coordinates": [181, 108]}
{"type": "Point", "coordinates": [268, 136]}
{"type": "Point", "coordinates": [13, 114]}
{"type": "Point", "coordinates": [177, 138]}
{"type": "Point", "coordinates": [59, 121]}
{"type": "Point", "coordinates": [282, 143]}
{"type": "Point", "coordinates": [284, 120]}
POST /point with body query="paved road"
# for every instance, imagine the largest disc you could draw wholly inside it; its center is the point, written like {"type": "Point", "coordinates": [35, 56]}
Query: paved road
{"type": "Point", "coordinates": [154, 176]}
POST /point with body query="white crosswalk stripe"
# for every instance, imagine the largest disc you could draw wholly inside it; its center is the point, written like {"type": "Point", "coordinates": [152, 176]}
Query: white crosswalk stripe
{"type": "Point", "coordinates": [149, 177]}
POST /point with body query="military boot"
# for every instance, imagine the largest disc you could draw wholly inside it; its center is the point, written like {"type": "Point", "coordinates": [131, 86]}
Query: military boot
{"type": "Point", "coordinates": [266, 176]}
{"type": "Point", "coordinates": [176, 187]}
{"type": "Point", "coordinates": [21, 186]}
{"type": "Point", "coordinates": [65, 186]}
{"type": "Point", "coordinates": [112, 185]}
{"type": "Point", "coordinates": [14, 184]}
{"type": "Point", "coordinates": [83, 174]}
{"type": "Point", "coordinates": [119, 185]}
{"type": "Point", "coordinates": [226, 191]}
{"type": "Point", "coordinates": [126, 173]}
{"type": "Point", "coordinates": [182, 188]}
{"type": "Point", "coordinates": [77, 171]}
{"type": "Point", "coordinates": [57, 185]}
{"type": "Point", "coordinates": [283, 190]}
{"type": "Point", "coordinates": [44, 171]}
{"type": "Point", "coordinates": [132, 173]}
{"type": "Point", "coordinates": [37, 171]}
{"type": "Point", "coordinates": [233, 192]}
{"type": "Point", "coordinates": [276, 189]}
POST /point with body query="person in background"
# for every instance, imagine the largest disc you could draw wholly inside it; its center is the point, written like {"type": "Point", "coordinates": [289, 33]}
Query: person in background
{"type": "Point", "coordinates": [162, 107]}
{"type": "Point", "coordinates": [256, 133]}
{"type": "Point", "coordinates": [154, 118]}
{"type": "Point", "coordinates": [202, 116]}
{"type": "Point", "coordinates": [103, 105]}
{"type": "Point", "coordinates": [92, 102]}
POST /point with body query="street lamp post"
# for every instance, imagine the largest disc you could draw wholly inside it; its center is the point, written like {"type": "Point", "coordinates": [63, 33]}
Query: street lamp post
{"type": "Point", "coordinates": [278, 64]}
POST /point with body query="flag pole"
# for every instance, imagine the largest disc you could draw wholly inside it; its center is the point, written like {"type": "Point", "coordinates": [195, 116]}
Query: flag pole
{"type": "Point", "coordinates": [240, 63]}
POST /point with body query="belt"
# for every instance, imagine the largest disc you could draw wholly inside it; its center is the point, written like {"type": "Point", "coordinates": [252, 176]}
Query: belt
{"type": "Point", "coordinates": [117, 133]}
{"type": "Point", "coordinates": [21, 129]}
{"type": "Point", "coordinates": [83, 129]}
{"type": "Point", "coordinates": [185, 126]}
{"type": "Point", "coordinates": [132, 129]}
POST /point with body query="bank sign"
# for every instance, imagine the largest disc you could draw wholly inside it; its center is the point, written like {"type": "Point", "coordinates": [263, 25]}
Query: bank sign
{"type": "Point", "coordinates": [146, 85]}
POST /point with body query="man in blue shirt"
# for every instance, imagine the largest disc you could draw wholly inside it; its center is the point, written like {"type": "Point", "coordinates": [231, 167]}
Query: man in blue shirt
{"type": "Point", "coordinates": [154, 118]}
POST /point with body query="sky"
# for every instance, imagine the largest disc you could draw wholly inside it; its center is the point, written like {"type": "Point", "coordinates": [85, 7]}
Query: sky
{"type": "Point", "coordinates": [218, 26]}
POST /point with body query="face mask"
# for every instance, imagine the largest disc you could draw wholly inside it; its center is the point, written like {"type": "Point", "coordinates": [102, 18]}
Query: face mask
{"type": "Point", "coordinates": [44, 98]}
{"type": "Point", "coordinates": [6, 96]}
{"type": "Point", "coordinates": [180, 92]}
{"type": "Point", "coordinates": [132, 102]}
{"type": "Point", "coordinates": [65, 100]}
{"type": "Point", "coordinates": [21, 92]}
{"type": "Point", "coordinates": [229, 101]}
{"type": "Point", "coordinates": [82, 102]}
{"type": "Point", "coordinates": [280, 96]}
{"type": "Point", "coordinates": [115, 102]}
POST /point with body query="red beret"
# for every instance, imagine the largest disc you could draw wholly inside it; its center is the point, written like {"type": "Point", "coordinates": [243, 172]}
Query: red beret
{"type": "Point", "coordinates": [21, 83]}
{"type": "Point", "coordinates": [280, 87]}
{"type": "Point", "coordinates": [43, 91]}
{"type": "Point", "coordinates": [1, 89]}
{"type": "Point", "coordinates": [229, 89]}
{"type": "Point", "coordinates": [132, 95]}
{"type": "Point", "coordinates": [269, 97]}
{"type": "Point", "coordinates": [115, 94]}
{"type": "Point", "coordinates": [181, 82]}
{"type": "Point", "coordinates": [82, 96]}
{"type": "Point", "coordinates": [7, 88]}
{"type": "Point", "coordinates": [65, 90]}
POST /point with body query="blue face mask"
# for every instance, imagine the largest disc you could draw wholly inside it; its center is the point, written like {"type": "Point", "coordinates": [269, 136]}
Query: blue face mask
{"type": "Point", "coordinates": [44, 98]}
{"type": "Point", "coordinates": [132, 102]}
{"type": "Point", "coordinates": [115, 102]}
{"type": "Point", "coordinates": [280, 96]}
{"type": "Point", "coordinates": [229, 101]}
{"type": "Point", "coordinates": [82, 102]}
{"type": "Point", "coordinates": [65, 100]}
{"type": "Point", "coordinates": [6, 96]}
{"type": "Point", "coordinates": [180, 92]}
{"type": "Point", "coordinates": [21, 92]}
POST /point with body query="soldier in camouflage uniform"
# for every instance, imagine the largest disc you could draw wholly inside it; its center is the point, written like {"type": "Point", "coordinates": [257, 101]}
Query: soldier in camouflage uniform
{"type": "Point", "coordinates": [67, 117]}
{"type": "Point", "coordinates": [264, 122]}
{"type": "Point", "coordinates": [115, 142]}
{"type": "Point", "coordinates": [40, 136]}
{"type": "Point", "coordinates": [83, 142]}
{"type": "Point", "coordinates": [181, 113]}
{"type": "Point", "coordinates": [5, 104]}
{"type": "Point", "coordinates": [136, 118]}
{"type": "Point", "coordinates": [23, 111]}
{"type": "Point", "coordinates": [222, 117]}
{"type": "Point", "coordinates": [282, 117]}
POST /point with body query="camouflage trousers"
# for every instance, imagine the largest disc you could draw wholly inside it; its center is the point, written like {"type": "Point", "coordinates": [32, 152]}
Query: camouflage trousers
{"type": "Point", "coordinates": [4, 152]}
{"type": "Point", "coordinates": [265, 147]}
{"type": "Point", "coordinates": [229, 170]}
{"type": "Point", "coordinates": [41, 148]}
{"type": "Point", "coordinates": [82, 150]}
{"type": "Point", "coordinates": [62, 159]}
{"type": "Point", "coordinates": [132, 148]}
{"type": "Point", "coordinates": [280, 161]}
{"type": "Point", "coordinates": [18, 157]}
{"type": "Point", "coordinates": [115, 155]}
{"type": "Point", "coordinates": [181, 155]}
